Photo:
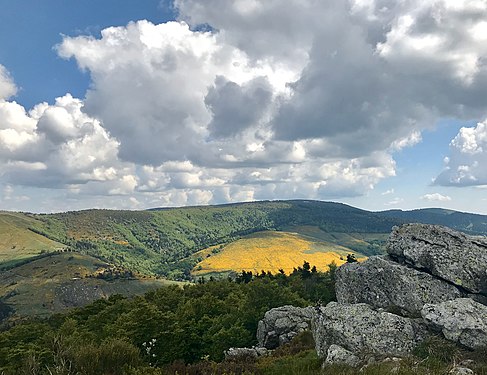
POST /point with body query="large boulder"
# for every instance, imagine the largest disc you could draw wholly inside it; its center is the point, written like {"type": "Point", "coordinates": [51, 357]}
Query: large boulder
{"type": "Point", "coordinates": [463, 321]}
{"type": "Point", "coordinates": [447, 254]}
{"type": "Point", "coordinates": [382, 283]}
{"type": "Point", "coordinates": [362, 330]}
{"type": "Point", "coordinates": [280, 325]}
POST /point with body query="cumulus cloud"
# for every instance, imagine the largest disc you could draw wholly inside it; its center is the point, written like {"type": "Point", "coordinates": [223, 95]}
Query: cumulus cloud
{"type": "Point", "coordinates": [7, 85]}
{"type": "Point", "coordinates": [230, 104]}
{"type": "Point", "coordinates": [436, 197]}
{"type": "Point", "coordinates": [465, 165]}
{"type": "Point", "coordinates": [58, 146]}
{"type": "Point", "coordinates": [304, 99]}
{"type": "Point", "coordinates": [151, 87]}
{"type": "Point", "coordinates": [195, 99]}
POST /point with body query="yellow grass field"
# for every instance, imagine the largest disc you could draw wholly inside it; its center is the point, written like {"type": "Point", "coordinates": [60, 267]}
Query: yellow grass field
{"type": "Point", "coordinates": [271, 251]}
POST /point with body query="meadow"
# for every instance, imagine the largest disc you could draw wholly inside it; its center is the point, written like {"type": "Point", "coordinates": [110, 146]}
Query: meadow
{"type": "Point", "coordinates": [271, 251]}
{"type": "Point", "coordinates": [18, 242]}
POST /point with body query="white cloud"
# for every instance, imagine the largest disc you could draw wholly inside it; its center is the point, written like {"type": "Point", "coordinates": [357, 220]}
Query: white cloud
{"type": "Point", "coordinates": [58, 146]}
{"type": "Point", "coordinates": [297, 99]}
{"type": "Point", "coordinates": [209, 114]}
{"type": "Point", "coordinates": [7, 85]}
{"type": "Point", "coordinates": [468, 157]}
{"type": "Point", "coordinates": [157, 88]}
{"type": "Point", "coordinates": [436, 197]}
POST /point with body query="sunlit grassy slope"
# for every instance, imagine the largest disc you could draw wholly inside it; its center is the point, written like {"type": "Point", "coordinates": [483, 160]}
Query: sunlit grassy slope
{"type": "Point", "coordinates": [271, 251]}
{"type": "Point", "coordinates": [17, 242]}
{"type": "Point", "coordinates": [59, 281]}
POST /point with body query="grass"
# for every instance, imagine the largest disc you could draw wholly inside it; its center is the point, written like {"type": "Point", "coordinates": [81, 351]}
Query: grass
{"type": "Point", "coordinates": [18, 242]}
{"type": "Point", "coordinates": [270, 251]}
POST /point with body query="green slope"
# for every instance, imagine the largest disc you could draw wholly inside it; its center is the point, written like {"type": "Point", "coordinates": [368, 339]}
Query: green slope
{"type": "Point", "coordinates": [161, 241]}
{"type": "Point", "coordinates": [57, 282]}
{"type": "Point", "coordinates": [18, 242]}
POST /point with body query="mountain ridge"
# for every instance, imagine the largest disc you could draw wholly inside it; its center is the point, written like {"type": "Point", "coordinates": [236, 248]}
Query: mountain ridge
{"type": "Point", "coordinates": [159, 240]}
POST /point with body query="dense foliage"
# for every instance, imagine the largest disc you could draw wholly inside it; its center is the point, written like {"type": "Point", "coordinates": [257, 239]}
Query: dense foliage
{"type": "Point", "coordinates": [160, 328]}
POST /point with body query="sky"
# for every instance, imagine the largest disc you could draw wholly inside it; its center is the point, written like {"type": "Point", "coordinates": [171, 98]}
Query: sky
{"type": "Point", "coordinates": [134, 104]}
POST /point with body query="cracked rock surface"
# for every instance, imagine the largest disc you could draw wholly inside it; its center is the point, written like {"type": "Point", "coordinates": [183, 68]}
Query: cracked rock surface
{"type": "Point", "coordinates": [447, 254]}
{"type": "Point", "coordinates": [382, 283]}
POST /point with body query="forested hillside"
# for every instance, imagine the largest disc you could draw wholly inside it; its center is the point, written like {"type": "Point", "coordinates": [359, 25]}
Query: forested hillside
{"type": "Point", "coordinates": [163, 241]}
{"type": "Point", "coordinates": [465, 222]}
{"type": "Point", "coordinates": [159, 241]}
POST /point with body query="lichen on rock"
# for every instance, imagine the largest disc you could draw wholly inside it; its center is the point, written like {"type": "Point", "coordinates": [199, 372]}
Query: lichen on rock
{"type": "Point", "coordinates": [462, 320]}
{"type": "Point", "coordinates": [382, 283]}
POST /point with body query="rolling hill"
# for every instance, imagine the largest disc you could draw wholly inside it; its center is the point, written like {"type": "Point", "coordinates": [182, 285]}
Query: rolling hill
{"type": "Point", "coordinates": [49, 262]}
{"type": "Point", "coordinates": [465, 222]}
{"type": "Point", "coordinates": [270, 251]}
{"type": "Point", "coordinates": [18, 242]}
{"type": "Point", "coordinates": [164, 241]}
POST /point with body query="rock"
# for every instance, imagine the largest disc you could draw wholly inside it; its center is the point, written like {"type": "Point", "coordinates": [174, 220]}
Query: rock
{"type": "Point", "coordinates": [467, 362]}
{"type": "Point", "coordinates": [240, 354]}
{"type": "Point", "coordinates": [280, 325]}
{"type": "Point", "coordinates": [338, 355]}
{"type": "Point", "coordinates": [382, 283]}
{"type": "Point", "coordinates": [462, 320]}
{"type": "Point", "coordinates": [360, 329]}
{"type": "Point", "coordinates": [457, 370]}
{"type": "Point", "coordinates": [450, 255]}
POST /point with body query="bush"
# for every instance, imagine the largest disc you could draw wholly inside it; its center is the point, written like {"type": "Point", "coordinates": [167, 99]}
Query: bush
{"type": "Point", "coordinates": [112, 357]}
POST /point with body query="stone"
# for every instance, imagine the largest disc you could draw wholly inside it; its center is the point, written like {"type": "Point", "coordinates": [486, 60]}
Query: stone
{"type": "Point", "coordinates": [241, 354]}
{"type": "Point", "coordinates": [382, 283]}
{"type": "Point", "coordinates": [457, 370]}
{"type": "Point", "coordinates": [338, 355]}
{"type": "Point", "coordinates": [280, 325]}
{"type": "Point", "coordinates": [462, 321]}
{"type": "Point", "coordinates": [360, 329]}
{"type": "Point", "coordinates": [447, 254]}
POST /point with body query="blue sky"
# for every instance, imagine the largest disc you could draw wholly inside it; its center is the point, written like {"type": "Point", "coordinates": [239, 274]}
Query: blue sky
{"type": "Point", "coordinates": [29, 30]}
{"type": "Point", "coordinates": [138, 104]}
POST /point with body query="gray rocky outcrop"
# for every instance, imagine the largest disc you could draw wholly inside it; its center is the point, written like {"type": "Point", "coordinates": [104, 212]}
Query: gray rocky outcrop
{"type": "Point", "coordinates": [382, 283]}
{"type": "Point", "coordinates": [360, 329]}
{"type": "Point", "coordinates": [447, 254]}
{"type": "Point", "coordinates": [280, 325]}
{"type": "Point", "coordinates": [462, 320]}
{"type": "Point", "coordinates": [338, 355]}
